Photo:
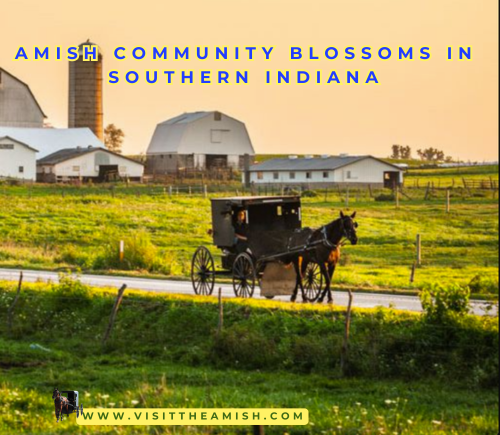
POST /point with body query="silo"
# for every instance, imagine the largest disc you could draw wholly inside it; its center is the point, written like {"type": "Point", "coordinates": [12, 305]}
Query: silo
{"type": "Point", "coordinates": [85, 93]}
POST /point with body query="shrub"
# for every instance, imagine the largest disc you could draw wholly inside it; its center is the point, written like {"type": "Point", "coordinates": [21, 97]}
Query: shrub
{"type": "Point", "coordinates": [309, 194]}
{"type": "Point", "coordinates": [483, 285]}
{"type": "Point", "coordinates": [385, 197]}
{"type": "Point", "coordinates": [70, 291]}
{"type": "Point", "coordinates": [140, 253]}
{"type": "Point", "coordinates": [441, 303]}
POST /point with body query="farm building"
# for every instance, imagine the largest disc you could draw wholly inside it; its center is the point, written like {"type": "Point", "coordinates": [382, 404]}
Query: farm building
{"type": "Point", "coordinates": [87, 164]}
{"type": "Point", "coordinates": [18, 105]}
{"type": "Point", "coordinates": [49, 140]}
{"type": "Point", "coordinates": [198, 141]}
{"type": "Point", "coordinates": [327, 170]}
{"type": "Point", "coordinates": [17, 159]}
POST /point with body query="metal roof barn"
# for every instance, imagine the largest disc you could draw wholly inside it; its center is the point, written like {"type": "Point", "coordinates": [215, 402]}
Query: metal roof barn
{"type": "Point", "coordinates": [18, 105]}
{"type": "Point", "coordinates": [50, 140]}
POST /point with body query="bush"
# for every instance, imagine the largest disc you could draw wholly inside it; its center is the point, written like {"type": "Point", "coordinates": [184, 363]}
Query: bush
{"type": "Point", "coordinates": [441, 303]}
{"type": "Point", "coordinates": [483, 285]}
{"type": "Point", "coordinates": [309, 194]}
{"type": "Point", "coordinates": [140, 253]}
{"type": "Point", "coordinates": [70, 291]}
{"type": "Point", "coordinates": [385, 197]}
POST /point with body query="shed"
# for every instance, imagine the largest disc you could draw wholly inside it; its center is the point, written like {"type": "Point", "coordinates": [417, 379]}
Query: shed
{"type": "Point", "coordinates": [327, 170]}
{"type": "Point", "coordinates": [198, 141]}
{"type": "Point", "coordinates": [49, 140]}
{"type": "Point", "coordinates": [17, 159]}
{"type": "Point", "coordinates": [88, 164]}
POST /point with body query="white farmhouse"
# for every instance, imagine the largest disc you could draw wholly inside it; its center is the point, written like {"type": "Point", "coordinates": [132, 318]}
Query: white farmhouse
{"type": "Point", "coordinates": [49, 140]}
{"type": "Point", "coordinates": [18, 105]}
{"type": "Point", "coordinates": [199, 141]}
{"type": "Point", "coordinates": [327, 170]}
{"type": "Point", "coordinates": [17, 159]}
{"type": "Point", "coordinates": [87, 164]}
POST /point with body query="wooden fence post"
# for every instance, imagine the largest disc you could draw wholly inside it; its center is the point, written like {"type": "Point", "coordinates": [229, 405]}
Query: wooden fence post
{"type": "Point", "coordinates": [427, 192]}
{"type": "Point", "coordinates": [10, 313]}
{"type": "Point", "coordinates": [118, 301]}
{"type": "Point", "coordinates": [412, 274]}
{"type": "Point", "coordinates": [344, 355]}
{"type": "Point", "coordinates": [221, 313]}
{"type": "Point", "coordinates": [419, 250]}
{"type": "Point", "coordinates": [258, 430]}
{"type": "Point", "coordinates": [448, 200]}
{"type": "Point", "coordinates": [205, 191]}
{"type": "Point", "coordinates": [169, 190]}
{"type": "Point", "coordinates": [397, 197]}
{"type": "Point", "coordinates": [347, 197]}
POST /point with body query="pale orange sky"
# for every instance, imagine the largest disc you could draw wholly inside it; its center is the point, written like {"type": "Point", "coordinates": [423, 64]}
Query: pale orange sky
{"type": "Point", "coordinates": [449, 105]}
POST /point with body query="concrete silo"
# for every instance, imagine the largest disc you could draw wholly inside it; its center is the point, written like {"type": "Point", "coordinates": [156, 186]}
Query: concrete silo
{"type": "Point", "coordinates": [85, 93]}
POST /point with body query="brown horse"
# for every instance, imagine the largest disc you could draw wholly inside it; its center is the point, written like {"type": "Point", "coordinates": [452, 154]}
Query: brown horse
{"type": "Point", "coordinates": [61, 403]}
{"type": "Point", "coordinates": [323, 248]}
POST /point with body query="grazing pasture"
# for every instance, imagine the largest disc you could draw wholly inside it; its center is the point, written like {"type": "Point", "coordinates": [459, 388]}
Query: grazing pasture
{"type": "Point", "coordinates": [80, 228]}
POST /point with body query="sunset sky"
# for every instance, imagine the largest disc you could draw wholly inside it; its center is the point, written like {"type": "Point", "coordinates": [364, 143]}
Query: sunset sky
{"type": "Point", "coordinates": [449, 105]}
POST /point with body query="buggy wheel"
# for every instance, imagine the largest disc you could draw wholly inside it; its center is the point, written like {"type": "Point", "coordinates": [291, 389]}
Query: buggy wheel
{"type": "Point", "coordinates": [244, 277]}
{"type": "Point", "coordinates": [203, 272]}
{"type": "Point", "coordinates": [312, 282]}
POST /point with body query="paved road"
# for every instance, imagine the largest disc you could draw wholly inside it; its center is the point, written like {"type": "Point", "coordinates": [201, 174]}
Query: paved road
{"type": "Point", "coordinates": [361, 300]}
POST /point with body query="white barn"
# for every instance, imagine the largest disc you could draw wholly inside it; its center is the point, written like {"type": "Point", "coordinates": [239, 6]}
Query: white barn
{"type": "Point", "coordinates": [17, 159]}
{"type": "Point", "coordinates": [87, 164]}
{"type": "Point", "coordinates": [200, 141]}
{"type": "Point", "coordinates": [18, 105]}
{"type": "Point", "coordinates": [327, 170]}
{"type": "Point", "coordinates": [49, 140]}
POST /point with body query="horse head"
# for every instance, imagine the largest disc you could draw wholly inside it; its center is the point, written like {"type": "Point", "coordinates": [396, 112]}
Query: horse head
{"type": "Point", "coordinates": [56, 393]}
{"type": "Point", "coordinates": [348, 227]}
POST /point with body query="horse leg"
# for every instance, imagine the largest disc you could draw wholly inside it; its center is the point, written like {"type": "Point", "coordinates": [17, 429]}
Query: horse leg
{"type": "Point", "coordinates": [298, 280]}
{"type": "Point", "coordinates": [326, 290]}
{"type": "Point", "coordinates": [331, 271]}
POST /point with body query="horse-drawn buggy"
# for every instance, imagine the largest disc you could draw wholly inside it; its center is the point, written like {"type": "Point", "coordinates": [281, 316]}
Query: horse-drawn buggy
{"type": "Point", "coordinates": [67, 404]}
{"type": "Point", "coordinates": [262, 242]}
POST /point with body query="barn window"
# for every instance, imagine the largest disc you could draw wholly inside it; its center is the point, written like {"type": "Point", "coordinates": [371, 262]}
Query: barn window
{"type": "Point", "coordinates": [349, 175]}
{"type": "Point", "coordinates": [216, 136]}
{"type": "Point", "coordinates": [326, 174]}
{"type": "Point", "coordinates": [21, 169]}
{"type": "Point", "coordinates": [76, 168]}
{"type": "Point", "coordinates": [292, 175]}
{"type": "Point", "coordinates": [260, 175]}
{"type": "Point", "coordinates": [7, 146]}
{"type": "Point", "coordinates": [276, 175]}
{"type": "Point", "coordinates": [217, 116]}
{"type": "Point", "coordinates": [308, 175]}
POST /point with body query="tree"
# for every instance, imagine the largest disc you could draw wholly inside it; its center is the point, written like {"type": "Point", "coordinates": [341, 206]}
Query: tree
{"type": "Point", "coordinates": [395, 152]}
{"type": "Point", "coordinates": [113, 138]}
{"type": "Point", "coordinates": [405, 152]}
{"type": "Point", "coordinates": [431, 154]}
{"type": "Point", "coordinates": [401, 152]}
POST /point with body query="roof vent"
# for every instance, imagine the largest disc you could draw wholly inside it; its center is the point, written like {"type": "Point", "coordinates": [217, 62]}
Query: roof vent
{"type": "Point", "coordinates": [344, 155]}
{"type": "Point", "coordinates": [292, 157]}
{"type": "Point", "coordinates": [308, 156]}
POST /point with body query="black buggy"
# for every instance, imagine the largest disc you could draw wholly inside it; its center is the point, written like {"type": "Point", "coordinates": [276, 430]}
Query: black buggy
{"type": "Point", "coordinates": [73, 406]}
{"type": "Point", "coordinates": [270, 222]}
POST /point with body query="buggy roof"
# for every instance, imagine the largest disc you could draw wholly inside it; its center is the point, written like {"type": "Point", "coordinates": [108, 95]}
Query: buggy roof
{"type": "Point", "coordinates": [243, 201]}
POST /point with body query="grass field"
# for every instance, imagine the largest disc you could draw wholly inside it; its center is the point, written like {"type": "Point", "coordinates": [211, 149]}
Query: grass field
{"type": "Point", "coordinates": [407, 376]}
{"type": "Point", "coordinates": [54, 228]}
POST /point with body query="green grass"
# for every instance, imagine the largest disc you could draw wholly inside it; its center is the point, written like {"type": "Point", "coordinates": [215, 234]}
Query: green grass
{"type": "Point", "coordinates": [54, 228]}
{"type": "Point", "coordinates": [407, 376]}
